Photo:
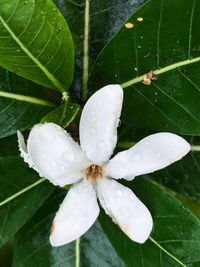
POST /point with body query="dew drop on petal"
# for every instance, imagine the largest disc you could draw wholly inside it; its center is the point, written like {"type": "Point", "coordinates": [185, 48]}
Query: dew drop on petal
{"type": "Point", "coordinates": [92, 130]}
{"type": "Point", "coordinates": [68, 156]}
{"type": "Point", "coordinates": [135, 158]}
{"type": "Point", "coordinates": [146, 143]}
{"type": "Point", "coordinates": [119, 193]}
{"type": "Point", "coordinates": [53, 164]}
{"type": "Point", "coordinates": [101, 145]}
{"type": "Point", "coordinates": [62, 168]}
{"type": "Point", "coordinates": [124, 211]}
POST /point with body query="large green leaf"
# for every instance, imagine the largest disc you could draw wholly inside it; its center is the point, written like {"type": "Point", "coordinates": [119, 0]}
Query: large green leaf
{"type": "Point", "coordinates": [165, 40]}
{"type": "Point", "coordinates": [106, 17]}
{"type": "Point", "coordinates": [35, 42]}
{"type": "Point", "coordinates": [33, 247]}
{"type": "Point", "coordinates": [183, 176]}
{"type": "Point", "coordinates": [22, 103]}
{"type": "Point", "coordinates": [21, 194]}
{"type": "Point", "coordinates": [175, 237]}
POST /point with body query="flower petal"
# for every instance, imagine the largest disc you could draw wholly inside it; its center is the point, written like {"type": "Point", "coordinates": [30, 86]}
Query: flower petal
{"type": "Point", "coordinates": [76, 215]}
{"type": "Point", "coordinates": [152, 153]}
{"type": "Point", "coordinates": [56, 155]}
{"type": "Point", "coordinates": [23, 151]}
{"type": "Point", "coordinates": [125, 209]}
{"type": "Point", "coordinates": [99, 121]}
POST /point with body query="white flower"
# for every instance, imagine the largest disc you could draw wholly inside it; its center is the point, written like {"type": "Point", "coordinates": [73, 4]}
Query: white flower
{"type": "Point", "coordinates": [55, 155]}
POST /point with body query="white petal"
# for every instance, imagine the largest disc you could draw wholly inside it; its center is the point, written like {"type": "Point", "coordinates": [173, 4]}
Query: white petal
{"type": "Point", "coordinates": [125, 209]}
{"type": "Point", "coordinates": [99, 121]}
{"type": "Point", "coordinates": [23, 151]}
{"type": "Point", "coordinates": [56, 155]}
{"type": "Point", "coordinates": [152, 153]}
{"type": "Point", "coordinates": [76, 215]}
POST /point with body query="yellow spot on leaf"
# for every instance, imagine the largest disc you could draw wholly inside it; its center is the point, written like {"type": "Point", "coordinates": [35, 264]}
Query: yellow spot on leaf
{"type": "Point", "coordinates": [140, 19]}
{"type": "Point", "coordinates": [129, 25]}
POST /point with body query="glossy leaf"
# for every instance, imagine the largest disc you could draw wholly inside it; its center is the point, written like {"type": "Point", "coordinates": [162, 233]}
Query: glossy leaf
{"type": "Point", "coordinates": [33, 247]}
{"type": "Point", "coordinates": [183, 176]}
{"type": "Point", "coordinates": [63, 115]}
{"type": "Point", "coordinates": [35, 42]}
{"type": "Point", "coordinates": [106, 17]}
{"type": "Point", "coordinates": [175, 237]}
{"type": "Point", "coordinates": [151, 40]}
{"type": "Point", "coordinates": [21, 113]}
{"type": "Point", "coordinates": [16, 210]}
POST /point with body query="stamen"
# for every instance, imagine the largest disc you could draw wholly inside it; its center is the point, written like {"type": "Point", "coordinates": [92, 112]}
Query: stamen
{"type": "Point", "coordinates": [94, 172]}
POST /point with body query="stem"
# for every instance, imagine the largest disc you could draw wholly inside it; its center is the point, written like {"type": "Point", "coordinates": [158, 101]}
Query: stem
{"type": "Point", "coordinates": [78, 252]}
{"type": "Point", "coordinates": [195, 148]}
{"type": "Point", "coordinates": [29, 99]}
{"type": "Point", "coordinates": [160, 71]}
{"type": "Point", "coordinates": [22, 191]}
{"type": "Point", "coordinates": [86, 51]}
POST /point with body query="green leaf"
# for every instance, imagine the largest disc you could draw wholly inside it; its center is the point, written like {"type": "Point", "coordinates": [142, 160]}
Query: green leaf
{"type": "Point", "coordinates": [63, 115]}
{"type": "Point", "coordinates": [35, 42]}
{"type": "Point", "coordinates": [33, 247]}
{"type": "Point", "coordinates": [175, 237]}
{"type": "Point", "coordinates": [183, 176]}
{"type": "Point", "coordinates": [21, 194]}
{"type": "Point", "coordinates": [170, 48]}
{"type": "Point", "coordinates": [22, 103]}
{"type": "Point", "coordinates": [106, 17]}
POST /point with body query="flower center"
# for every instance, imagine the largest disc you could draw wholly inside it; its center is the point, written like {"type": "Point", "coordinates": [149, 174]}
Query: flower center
{"type": "Point", "coordinates": [93, 172]}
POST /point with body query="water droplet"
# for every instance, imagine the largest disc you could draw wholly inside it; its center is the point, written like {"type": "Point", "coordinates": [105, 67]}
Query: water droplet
{"type": "Point", "coordinates": [124, 211]}
{"type": "Point", "coordinates": [139, 46]}
{"type": "Point", "coordinates": [53, 164]}
{"type": "Point", "coordinates": [156, 93]}
{"type": "Point", "coordinates": [68, 156]}
{"type": "Point", "coordinates": [44, 156]}
{"type": "Point", "coordinates": [117, 123]}
{"type": "Point", "coordinates": [111, 200]}
{"type": "Point", "coordinates": [42, 12]}
{"type": "Point", "coordinates": [114, 139]}
{"type": "Point", "coordinates": [115, 75]}
{"type": "Point", "coordinates": [101, 145]}
{"type": "Point", "coordinates": [141, 37]}
{"type": "Point", "coordinates": [53, 22]}
{"type": "Point", "coordinates": [107, 129]}
{"type": "Point", "coordinates": [146, 143]}
{"type": "Point", "coordinates": [119, 193]}
{"type": "Point", "coordinates": [18, 50]}
{"type": "Point", "coordinates": [92, 130]}
{"type": "Point", "coordinates": [177, 41]}
{"type": "Point", "coordinates": [156, 100]}
{"type": "Point", "coordinates": [26, 2]}
{"type": "Point", "coordinates": [62, 168]}
{"type": "Point", "coordinates": [135, 158]}
{"type": "Point", "coordinates": [54, 9]}
{"type": "Point", "coordinates": [94, 118]}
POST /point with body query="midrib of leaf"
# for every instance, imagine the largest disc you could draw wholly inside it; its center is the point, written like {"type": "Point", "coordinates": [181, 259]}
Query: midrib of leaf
{"type": "Point", "coordinates": [34, 59]}
{"type": "Point", "coordinates": [160, 71]}
{"type": "Point", "coordinates": [30, 99]}
{"type": "Point", "coordinates": [22, 191]}
{"type": "Point", "coordinates": [167, 252]}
